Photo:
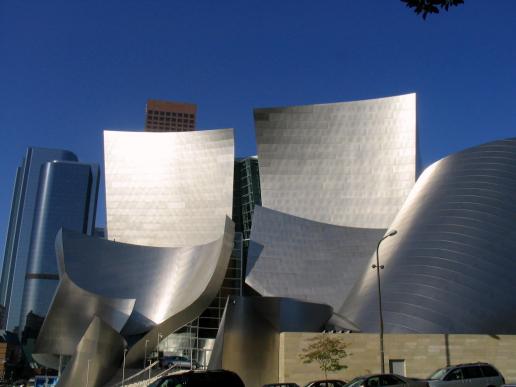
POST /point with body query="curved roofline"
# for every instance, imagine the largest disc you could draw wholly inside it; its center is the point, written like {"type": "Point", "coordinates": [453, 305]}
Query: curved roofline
{"type": "Point", "coordinates": [369, 100]}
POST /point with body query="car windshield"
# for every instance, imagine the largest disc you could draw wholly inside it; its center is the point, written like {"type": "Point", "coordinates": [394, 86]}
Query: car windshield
{"type": "Point", "coordinates": [439, 374]}
{"type": "Point", "coordinates": [355, 382]}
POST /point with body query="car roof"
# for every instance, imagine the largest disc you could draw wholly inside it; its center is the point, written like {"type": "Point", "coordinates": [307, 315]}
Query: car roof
{"type": "Point", "coordinates": [182, 372]}
{"type": "Point", "coordinates": [451, 367]}
{"type": "Point", "coordinates": [471, 364]}
{"type": "Point", "coordinates": [371, 375]}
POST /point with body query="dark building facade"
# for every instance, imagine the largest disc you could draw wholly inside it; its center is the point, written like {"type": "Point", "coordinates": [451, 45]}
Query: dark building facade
{"type": "Point", "coordinates": [246, 194]}
{"type": "Point", "coordinates": [167, 116]}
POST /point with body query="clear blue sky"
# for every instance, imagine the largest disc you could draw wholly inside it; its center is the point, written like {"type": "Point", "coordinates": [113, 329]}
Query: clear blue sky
{"type": "Point", "coordinates": [70, 68]}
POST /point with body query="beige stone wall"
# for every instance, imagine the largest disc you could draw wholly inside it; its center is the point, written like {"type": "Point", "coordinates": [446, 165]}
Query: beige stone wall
{"type": "Point", "coordinates": [423, 354]}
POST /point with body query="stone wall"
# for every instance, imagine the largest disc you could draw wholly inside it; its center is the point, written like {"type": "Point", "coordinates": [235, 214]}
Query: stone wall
{"type": "Point", "coordinates": [423, 354]}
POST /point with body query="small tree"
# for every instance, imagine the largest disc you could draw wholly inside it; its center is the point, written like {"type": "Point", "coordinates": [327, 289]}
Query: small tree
{"type": "Point", "coordinates": [327, 350]}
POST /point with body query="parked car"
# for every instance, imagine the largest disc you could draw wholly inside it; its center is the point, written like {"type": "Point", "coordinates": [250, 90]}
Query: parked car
{"type": "Point", "coordinates": [326, 383]}
{"type": "Point", "coordinates": [200, 379]}
{"type": "Point", "coordinates": [475, 374]}
{"type": "Point", "coordinates": [281, 385]}
{"type": "Point", "coordinates": [379, 380]}
{"type": "Point", "coordinates": [180, 362]}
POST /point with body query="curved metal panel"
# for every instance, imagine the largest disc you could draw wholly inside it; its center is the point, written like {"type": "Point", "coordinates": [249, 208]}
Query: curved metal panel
{"type": "Point", "coordinates": [450, 267]}
{"type": "Point", "coordinates": [192, 293]}
{"type": "Point", "coordinates": [70, 315]}
{"type": "Point", "coordinates": [168, 189]}
{"type": "Point", "coordinates": [98, 356]}
{"type": "Point", "coordinates": [164, 281]}
{"type": "Point", "coordinates": [164, 288]}
{"type": "Point", "coordinates": [306, 260]}
{"type": "Point", "coordinates": [349, 164]}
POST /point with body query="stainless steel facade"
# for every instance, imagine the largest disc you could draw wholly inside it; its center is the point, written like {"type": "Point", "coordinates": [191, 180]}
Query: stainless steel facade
{"type": "Point", "coordinates": [348, 164]}
{"type": "Point", "coordinates": [158, 291]}
{"type": "Point", "coordinates": [332, 179]}
{"type": "Point", "coordinates": [66, 323]}
{"type": "Point", "coordinates": [96, 357]}
{"type": "Point", "coordinates": [195, 340]}
{"type": "Point", "coordinates": [306, 260]}
{"type": "Point", "coordinates": [450, 267]}
{"type": "Point", "coordinates": [168, 189]}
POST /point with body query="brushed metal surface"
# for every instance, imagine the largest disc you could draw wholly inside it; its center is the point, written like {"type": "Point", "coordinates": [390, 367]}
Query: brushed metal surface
{"type": "Point", "coordinates": [134, 289]}
{"type": "Point", "coordinates": [97, 357]}
{"type": "Point", "coordinates": [168, 189]}
{"type": "Point", "coordinates": [192, 290]}
{"type": "Point", "coordinates": [248, 340]}
{"type": "Point", "coordinates": [162, 280]}
{"type": "Point", "coordinates": [348, 164]}
{"type": "Point", "coordinates": [306, 260]}
{"type": "Point", "coordinates": [71, 312]}
{"type": "Point", "coordinates": [450, 267]}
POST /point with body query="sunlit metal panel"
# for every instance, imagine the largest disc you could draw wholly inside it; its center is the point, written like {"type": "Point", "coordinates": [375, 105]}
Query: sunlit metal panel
{"type": "Point", "coordinates": [168, 189]}
{"type": "Point", "coordinates": [348, 164]}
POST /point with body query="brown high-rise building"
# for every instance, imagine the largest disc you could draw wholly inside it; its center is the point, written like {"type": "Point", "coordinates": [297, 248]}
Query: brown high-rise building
{"type": "Point", "coordinates": [164, 116]}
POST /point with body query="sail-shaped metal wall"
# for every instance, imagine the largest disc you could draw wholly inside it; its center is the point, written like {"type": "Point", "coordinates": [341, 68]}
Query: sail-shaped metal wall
{"type": "Point", "coordinates": [348, 164]}
{"type": "Point", "coordinates": [306, 260]}
{"type": "Point", "coordinates": [168, 189]}
{"type": "Point", "coordinates": [450, 268]}
{"type": "Point", "coordinates": [135, 289]}
{"type": "Point", "coordinates": [333, 178]}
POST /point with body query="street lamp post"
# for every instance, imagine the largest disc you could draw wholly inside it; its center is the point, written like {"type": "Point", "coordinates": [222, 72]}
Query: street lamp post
{"type": "Point", "coordinates": [378, 267]}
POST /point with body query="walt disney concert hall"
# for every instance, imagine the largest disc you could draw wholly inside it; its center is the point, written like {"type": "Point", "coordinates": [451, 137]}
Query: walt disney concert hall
{"type": "Point", "coordinates": [335, 180]}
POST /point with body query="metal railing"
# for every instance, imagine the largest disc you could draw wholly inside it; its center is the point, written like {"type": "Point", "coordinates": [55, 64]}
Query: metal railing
{"type": "Point", "coordinates": [127, 381]}
{"type": "Point", "coordinates": [145, 383]}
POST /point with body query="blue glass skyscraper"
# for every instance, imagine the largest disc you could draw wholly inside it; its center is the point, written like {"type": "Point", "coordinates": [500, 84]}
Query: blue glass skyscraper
{"type": "Point", "coordinates": [66, 198]}
{"type": "Point", "coordinates": [52, 190]}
